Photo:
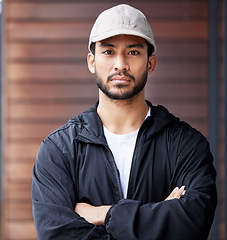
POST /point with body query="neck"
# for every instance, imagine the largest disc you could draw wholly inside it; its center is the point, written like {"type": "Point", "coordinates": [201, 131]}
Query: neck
{"type": "Point", "coordinates": [122, 116]}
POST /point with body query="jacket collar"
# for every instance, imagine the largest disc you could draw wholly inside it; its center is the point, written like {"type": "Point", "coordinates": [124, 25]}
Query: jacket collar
{"type": "Point", "coordinates": [91, 127]}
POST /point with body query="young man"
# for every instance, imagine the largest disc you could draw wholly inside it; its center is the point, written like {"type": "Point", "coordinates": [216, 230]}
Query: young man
{"type": "Point", "coordinates": [124, 169]}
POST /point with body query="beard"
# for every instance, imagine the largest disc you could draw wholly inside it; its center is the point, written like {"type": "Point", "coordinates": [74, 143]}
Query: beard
{"type": "Point", "coordinates": [122, 93]}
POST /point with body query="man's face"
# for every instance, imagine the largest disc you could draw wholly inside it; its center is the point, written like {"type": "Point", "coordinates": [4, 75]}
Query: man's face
{"type": "Point", "coordinates": [121, 66]}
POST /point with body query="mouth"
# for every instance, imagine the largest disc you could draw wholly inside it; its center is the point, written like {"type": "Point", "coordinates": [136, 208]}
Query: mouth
{"type": "Point", "coordinates": [120, 79]}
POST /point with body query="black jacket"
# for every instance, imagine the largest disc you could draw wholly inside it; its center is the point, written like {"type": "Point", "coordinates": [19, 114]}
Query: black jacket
{"type": "Point", "coordinates": [74, 164]}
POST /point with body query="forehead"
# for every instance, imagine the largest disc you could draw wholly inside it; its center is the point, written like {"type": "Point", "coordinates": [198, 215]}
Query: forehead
{"type": "Point", "coordinates": [123, 40]}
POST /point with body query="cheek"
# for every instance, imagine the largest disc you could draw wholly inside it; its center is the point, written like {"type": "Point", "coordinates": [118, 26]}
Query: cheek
{"type": "Point", "coordinates": [103, 67]}
{"type": "Point", "coordinates": [138, 67]}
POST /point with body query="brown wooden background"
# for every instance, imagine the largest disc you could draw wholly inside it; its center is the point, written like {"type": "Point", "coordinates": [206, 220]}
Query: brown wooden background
{"type": "Point", "coordinates": [46, 80]}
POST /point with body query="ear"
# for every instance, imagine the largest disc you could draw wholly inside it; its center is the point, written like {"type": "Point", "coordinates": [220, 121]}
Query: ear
{"type": "Point", "coordinates": [152, 63]}
{"type": "Point", "coordinates": [91, 62]}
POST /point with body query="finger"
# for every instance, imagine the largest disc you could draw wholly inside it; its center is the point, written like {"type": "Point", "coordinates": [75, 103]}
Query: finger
{"type": "Point", "coordinates": [179, 192]}
{"type": "Point", "coordinates": [176, 193]}
{"type": "Point", "coordinates": [81, 208]}
{"type": "Point", "coordinates": [172, 194]}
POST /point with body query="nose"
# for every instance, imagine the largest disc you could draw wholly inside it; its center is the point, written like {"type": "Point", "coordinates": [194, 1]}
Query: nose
{"type": "Point", "coordinates": [121, 63]}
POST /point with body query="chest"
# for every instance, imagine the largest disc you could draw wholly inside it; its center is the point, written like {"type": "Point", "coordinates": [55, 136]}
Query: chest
{"type": "Point", "coordinates": [98, 179]}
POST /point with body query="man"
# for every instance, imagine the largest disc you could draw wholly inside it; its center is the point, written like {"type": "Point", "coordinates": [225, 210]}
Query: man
{"type": "Point", "coordinates": [124, 169]}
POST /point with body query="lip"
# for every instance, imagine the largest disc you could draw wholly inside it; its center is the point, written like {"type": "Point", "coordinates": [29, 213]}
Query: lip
{"type": "Point", "coordinates": [120, 79]}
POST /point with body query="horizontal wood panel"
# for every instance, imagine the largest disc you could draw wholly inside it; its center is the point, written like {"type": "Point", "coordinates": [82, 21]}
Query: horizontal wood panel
{"type": "Point", "coordinates": [69, 91]}
{"type": "Point", "coordinates": [20, 191]}
{"type": "Point", "coordinates": [20, 230]}
{"type": "Point", "coordinates": [31, 130]}
{"type": "Point", "coordinates": [25, 151]}
{"type": "Point", "coordinates": [180, 71]}
{"type": "Point", "coordinates": [63, 71]}
{"type": "Point", "coordinates": [51, 31]}
{"type": "Point", "coordinates": [182, 51]}
{"type": "Point", "coordinates": [25, 172]}
{"type": "Point", "coordinates": [75, 91]}
{"type": "Point", "coordinates": [26, 72]}
{"type": "Point", "coordinates": [74, 51]}
{"type": "Point", "coordinates": [176, 91]}
{"type": "Point", "coordinates": [19, 210]}
{"type": "Point", "coordinates": [56, 51]}
{"type": "Point", "coordinates": [42, 111]}
{"type": "Point", "coordinates": [52, 11]}
{"type": "Point", "coordinates": [80, 30]}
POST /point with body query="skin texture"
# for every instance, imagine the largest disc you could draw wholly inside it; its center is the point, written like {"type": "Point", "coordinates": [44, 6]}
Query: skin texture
{"type": "Point", "coordinates": [121, 66]}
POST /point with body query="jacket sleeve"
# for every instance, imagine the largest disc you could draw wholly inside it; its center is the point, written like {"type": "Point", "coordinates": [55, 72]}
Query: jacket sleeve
{"type": "Point", "coordinates": [54, 198]}
{"type": "Point", "coordinates": [189, 217]}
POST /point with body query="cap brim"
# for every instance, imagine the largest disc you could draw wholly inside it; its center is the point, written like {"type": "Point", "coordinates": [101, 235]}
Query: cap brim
{"type": "Point", "coordinates": [117, 32]}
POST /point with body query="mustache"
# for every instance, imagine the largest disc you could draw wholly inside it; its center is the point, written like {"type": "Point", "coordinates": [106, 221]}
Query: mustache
{"type": "Point", "coordinates": [119, 73]}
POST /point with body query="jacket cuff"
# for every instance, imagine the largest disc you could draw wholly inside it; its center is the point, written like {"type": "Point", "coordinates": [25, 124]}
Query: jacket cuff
{"type": "Point", "coordinates": [108, 216]}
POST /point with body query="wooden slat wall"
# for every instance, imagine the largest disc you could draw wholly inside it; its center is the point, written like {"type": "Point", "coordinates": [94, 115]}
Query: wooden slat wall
{"type": "Point", "coordinates": [46, 80]}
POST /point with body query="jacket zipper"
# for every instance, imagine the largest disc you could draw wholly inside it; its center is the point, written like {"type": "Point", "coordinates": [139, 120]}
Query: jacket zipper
{"type": "Point", "coordinates": [134, 158]}
{"type": "Point", "coordinates": [118, 181]}
{"type": "Point", "coordinates": [116, 173]}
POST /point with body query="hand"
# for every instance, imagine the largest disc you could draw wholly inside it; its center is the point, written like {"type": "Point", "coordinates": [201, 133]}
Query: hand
{"type": "Point", "coordinates": [176, 193]}
{"type": "Point", "coordinates": [92, 214]}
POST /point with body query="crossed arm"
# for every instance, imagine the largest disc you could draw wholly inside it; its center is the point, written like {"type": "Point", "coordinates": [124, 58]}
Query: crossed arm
{"type": "Point", "coordinates": [97, 215]}
{"type": "Point", "coordinates": [193, 212]}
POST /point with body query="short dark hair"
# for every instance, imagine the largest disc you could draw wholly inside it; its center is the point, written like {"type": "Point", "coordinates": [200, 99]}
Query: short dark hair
{"type": "Point", "coordinates": [150, 49]}
{"type": "Point", "coordinates": [92, 48]}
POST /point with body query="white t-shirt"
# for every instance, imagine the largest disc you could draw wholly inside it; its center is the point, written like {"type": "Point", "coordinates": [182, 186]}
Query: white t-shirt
{"type": "Point", "coordinates": [122, 147]}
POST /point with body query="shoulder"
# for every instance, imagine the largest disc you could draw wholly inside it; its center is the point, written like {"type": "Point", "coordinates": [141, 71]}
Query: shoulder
{"type": "Point", "coordinates": [65, 137]}
{"type": "Point", "coordinates": [59, 143]}
{"type": "Point", "coordinates": [67, 131]}
{"type": "Point", "coordinates": [181, 136]}
{"type": "Point", "coordinates": [73, 127]}
{"type": "Point", "coordinates": [164, 121]}
{"type": "Point", "coordinates": [187, 140]}
{"type": "Point", "coordinates": [187, 132]}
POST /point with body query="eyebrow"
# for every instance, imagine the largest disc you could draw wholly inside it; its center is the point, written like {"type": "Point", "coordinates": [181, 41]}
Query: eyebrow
{"type": "Point", "coordinates": [137, 45]}
{"type": "Point", "coordinates": [105, 44]}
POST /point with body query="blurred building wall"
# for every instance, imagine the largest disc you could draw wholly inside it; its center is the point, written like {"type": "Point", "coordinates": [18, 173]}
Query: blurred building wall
{"type": "Point", "coordinates": [46, 80]}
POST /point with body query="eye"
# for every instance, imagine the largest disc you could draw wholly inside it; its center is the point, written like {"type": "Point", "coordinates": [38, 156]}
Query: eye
{"type": "Point", "coordinates": [134, 53]}
{"type": "Point", "coordinates": [108, 52]}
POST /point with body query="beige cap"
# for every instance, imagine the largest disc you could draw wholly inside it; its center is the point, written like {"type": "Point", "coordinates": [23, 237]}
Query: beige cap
{"type": "Point", "coordinates": [121, 19]}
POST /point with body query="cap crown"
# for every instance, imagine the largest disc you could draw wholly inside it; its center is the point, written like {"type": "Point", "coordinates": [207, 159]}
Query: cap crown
{"type": "Point", "coordinates": [121, 19]}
